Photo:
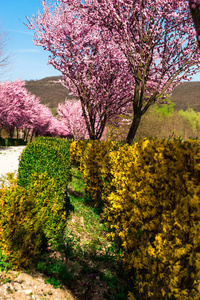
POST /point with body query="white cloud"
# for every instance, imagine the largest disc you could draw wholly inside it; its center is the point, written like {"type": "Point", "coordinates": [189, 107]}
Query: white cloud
{"type": "Point", "coordinates": [19, 31]}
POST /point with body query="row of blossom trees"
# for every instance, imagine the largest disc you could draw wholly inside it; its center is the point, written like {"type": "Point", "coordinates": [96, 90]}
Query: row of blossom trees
{"type": "Point", "coordinates": [22, 111]}
{"type": "Point", "coordinates": [118, 57]}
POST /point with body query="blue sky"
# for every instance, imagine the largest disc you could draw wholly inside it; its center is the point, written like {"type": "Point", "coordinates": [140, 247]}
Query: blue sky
{"type": "Point", "coordinates": [27, 61]}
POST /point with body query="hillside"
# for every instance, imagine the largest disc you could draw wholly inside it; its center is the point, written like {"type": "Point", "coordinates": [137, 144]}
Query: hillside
{"type": "Point", "coordinates": [50, 93]}
{"type": "Point", "coordinates": [187, 94]}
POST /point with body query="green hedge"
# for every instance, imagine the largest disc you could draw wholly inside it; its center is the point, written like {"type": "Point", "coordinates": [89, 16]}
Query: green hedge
{"type": "Point", "coordinates": [31, 219]}
{"type": "Point", "coordinates": [46, 154]}
{"type": "Point", "coordinates": [11, 142]}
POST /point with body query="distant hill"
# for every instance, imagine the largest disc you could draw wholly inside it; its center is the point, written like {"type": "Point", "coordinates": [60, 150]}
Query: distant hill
{"type": "Point", "coordinates": [187, 94]}
{"type": "Point", "coordinates": [50, 93]}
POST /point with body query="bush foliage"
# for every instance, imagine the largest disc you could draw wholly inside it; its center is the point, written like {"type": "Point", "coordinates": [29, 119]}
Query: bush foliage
{"type": "Point", "coordinates": [11, 142]}
{"type": "Point", "coordinates": [77, 150]}
{"type": "Point", "coordinates": [94, 167]}
{"type": "Point", "coordinates": [31, 219]}
{"type": "Point", "coordinates": [154, 209]}
{"type": "Point", "coordinates": [46, 154]}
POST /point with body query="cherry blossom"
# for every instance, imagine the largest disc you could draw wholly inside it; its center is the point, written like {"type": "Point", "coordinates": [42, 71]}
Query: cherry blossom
{"type": "Point", "coordinates": [91, 68]}
{"type": "Point", "coordinates": [157, 39]}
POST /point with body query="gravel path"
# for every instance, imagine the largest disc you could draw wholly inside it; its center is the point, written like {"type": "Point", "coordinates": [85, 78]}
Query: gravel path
{"type": "Point", "coordinates": [9, 159]}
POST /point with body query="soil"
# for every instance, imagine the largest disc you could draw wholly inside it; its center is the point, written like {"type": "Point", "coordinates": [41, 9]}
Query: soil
{"type": "Point", "coordinates": [22, 286]}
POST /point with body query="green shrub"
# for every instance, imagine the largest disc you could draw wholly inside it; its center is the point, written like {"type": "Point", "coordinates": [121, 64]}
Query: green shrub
{"type": "Point", "coordinates": [46, 154]}
{"type": "Point", "coordinates": [191, 117]}
{"type": "Point", "coordinates": [164, 110]}
{"type": "Point", "coordinates": [2, 141]}
{"type": "Point", "coordinates": [12, 142]}
{"type": "Point", "coordinates": [20, 142]}
{"type": "Point", "coordinates": [31, 219]}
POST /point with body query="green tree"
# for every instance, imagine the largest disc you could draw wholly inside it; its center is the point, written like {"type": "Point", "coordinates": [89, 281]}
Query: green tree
{"type": "Point", "coordinates": [165, 110]}
{"type": "Point", "coordinates": [191, 117]}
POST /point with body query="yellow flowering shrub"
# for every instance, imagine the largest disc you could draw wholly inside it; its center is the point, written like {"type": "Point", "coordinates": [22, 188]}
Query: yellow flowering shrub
{"type": "Point", "coordinates": [154, 208]}
{"type": "Point", "coordinates": [95, 168]}
{"type": "Point", "coordinates": [31, 219]}
{"type": "Point", "coordinates": [73, 152]}
{"type": "Point", "coordinates": [77, 149]}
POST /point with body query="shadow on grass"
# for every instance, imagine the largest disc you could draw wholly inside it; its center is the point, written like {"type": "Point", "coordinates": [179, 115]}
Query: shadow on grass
{"type": "Point", "coordinates": [87, 273]}
{"type": "Point", "coordinates": [85, 261]}
{"type": "Point", "coordinates": [75, 194]}
{"type": "Point", "coordinates": [90, 264]}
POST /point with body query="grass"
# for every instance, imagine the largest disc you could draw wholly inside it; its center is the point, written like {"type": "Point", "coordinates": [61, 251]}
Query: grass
{"type": "Point", "coordinates": [4, 265]}
{"type": "Point", "coordinates": [88, 262]}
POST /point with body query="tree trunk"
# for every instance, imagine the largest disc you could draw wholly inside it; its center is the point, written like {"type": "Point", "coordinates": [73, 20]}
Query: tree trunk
{"type": "Point", "coordinates": [11, 131]}
{"type": "Point", "coordinates": [196, 19]}
{"type": "Point", "coordinates": [133, 129]}
{"type": "Point", "coordinates": [26, 134]}
{"type": "Point", "coordinates": [32, 134]}
{"type": "Point", "coordinates": [24, 137]}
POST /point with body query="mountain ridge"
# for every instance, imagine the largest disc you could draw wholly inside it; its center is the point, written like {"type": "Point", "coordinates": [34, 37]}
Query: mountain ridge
{"type": "Point", "coordinates": [185, 95]}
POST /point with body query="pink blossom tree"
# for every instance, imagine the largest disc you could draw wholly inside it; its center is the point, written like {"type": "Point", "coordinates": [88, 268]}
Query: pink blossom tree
{"type": "Point", "coordinates": [91, 68]}
{"type": "Point", "coordinates": [157, 39]}
{"type": "Point", "coordinates": [72, 120]}
{"type": "Point", "coordinates": [72, 117]}
{"type": "Point", "coordinates": [57, 128]}
{"type": "Point", "coordinates": [43, 124]}
{"type": "Point", "coordinates": [19, 110]}
{"type": "Point", "coordinates": [14, 105]}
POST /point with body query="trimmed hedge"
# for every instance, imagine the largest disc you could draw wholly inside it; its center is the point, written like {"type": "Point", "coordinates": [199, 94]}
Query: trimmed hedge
{"type": "Point", "coordinates": [154, 208]}
{"type": "Point", "coordinates": [11, 142]}
{"type": "Point", "coordinates": [94, 165]}
{"type": "Point", "coordinates": [46, 154]}
{"type": "Point", "coordinates": [77, 150]}
{"type": "Point", "coordinates": [31, 219]}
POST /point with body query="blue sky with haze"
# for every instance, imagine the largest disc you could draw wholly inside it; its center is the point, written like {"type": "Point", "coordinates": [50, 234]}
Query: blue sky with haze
{"type": "Point", "coordinates": [27, 61]}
